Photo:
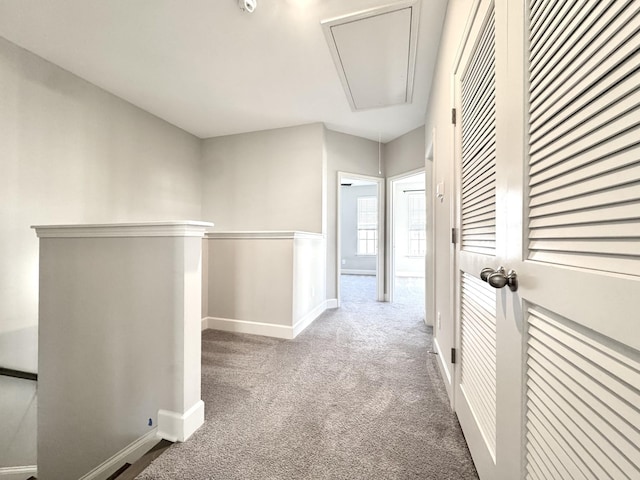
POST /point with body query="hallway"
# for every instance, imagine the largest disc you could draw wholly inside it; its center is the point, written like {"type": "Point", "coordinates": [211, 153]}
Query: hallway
{"type": "Point", "coordinates": [357, 395]}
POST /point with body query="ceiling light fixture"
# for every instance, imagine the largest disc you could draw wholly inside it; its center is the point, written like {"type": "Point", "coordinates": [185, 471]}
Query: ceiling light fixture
{"type": "Point", "coordinates": [247, 5]}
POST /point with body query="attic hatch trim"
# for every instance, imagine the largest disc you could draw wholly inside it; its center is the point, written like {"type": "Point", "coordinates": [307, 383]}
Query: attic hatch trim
{"type": "Point", "coordinates": [327, 26]}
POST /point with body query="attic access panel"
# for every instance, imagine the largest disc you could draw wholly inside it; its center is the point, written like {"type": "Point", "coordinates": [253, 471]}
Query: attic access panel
{"type": "Point", "coordinates": [374, 52]}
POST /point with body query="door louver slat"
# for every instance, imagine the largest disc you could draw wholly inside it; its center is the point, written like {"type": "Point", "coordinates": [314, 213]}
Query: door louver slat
{"type": "Point", "coordinates": [478, 147]}
{"type": "Point", "coordinates": [587, 61]}
{"type": "Point", "coordinates": [584, 143]}
{"type": "Point", "coordinates": [541, 57]}
{"type": "Point", "coordinates": [478, 353]}
{"type": "Point", "coordinates": [548, 63]}
{"type": "Point", "coordinates": [557, 14]}
{"type": "Point", "coordinates": [582, 403]}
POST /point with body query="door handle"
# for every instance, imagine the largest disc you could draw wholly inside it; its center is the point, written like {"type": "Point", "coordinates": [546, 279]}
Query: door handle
{"type": "Point", "coordinates": [500, 278]}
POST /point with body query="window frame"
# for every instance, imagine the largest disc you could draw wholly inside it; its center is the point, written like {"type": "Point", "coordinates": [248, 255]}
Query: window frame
{"type": "Point", "coordinates": [416, 225]}
{"type": "Point", "coordinates": [367, 226]}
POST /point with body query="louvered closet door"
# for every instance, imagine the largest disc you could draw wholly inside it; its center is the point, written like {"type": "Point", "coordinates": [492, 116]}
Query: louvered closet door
{"type": "Point", "coordinates": [566, 218]}
{"type": "Point", "coordinates": [475, 385]}
{"type": "Point", "coordinates": [581, 274]}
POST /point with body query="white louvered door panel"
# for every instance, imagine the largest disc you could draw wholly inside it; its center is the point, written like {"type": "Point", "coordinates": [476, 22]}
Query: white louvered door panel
{"type": "Point", "coordinates": [566, 217]}
{"type": "Point", "coordinates": [475, 374]}
{"type": "Point", "coordinates": [580, 275]}
{"type": "Point", "coordinates": [478, 118]}
{"type": "Point", "coordinates": [584, 175]}
{"type": "Point", "coordinates": [478, 354]}
{"type": "Point", "coordinates": [583, 403]}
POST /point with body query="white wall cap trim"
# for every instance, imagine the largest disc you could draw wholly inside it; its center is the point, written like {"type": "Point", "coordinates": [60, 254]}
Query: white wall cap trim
{"type": "Point", "coordinates": [184, 228]}
{"type": "Point", "coordinates": [249, 235]}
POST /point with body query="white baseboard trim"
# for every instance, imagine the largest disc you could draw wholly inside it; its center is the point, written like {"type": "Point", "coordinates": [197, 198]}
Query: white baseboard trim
{"type": "Point", "coordinates": [349, 271]}
{"type": "Point", "coordinates": [308, 319]}
{"type": "Point", "coordinates": [268, 329]}
{"type": "Point", "coordinates": [332, 303]}
{"type": "Point", "coordinates": [129, 454]}
{"type": "Point", "coordinates": [245, 326]}
{"type": "Point", "coordinates": [177, 427]}
{"type": "Point", "coordinates": [444, 368]}
{"type": "Point", "coordinates": [18, 473]}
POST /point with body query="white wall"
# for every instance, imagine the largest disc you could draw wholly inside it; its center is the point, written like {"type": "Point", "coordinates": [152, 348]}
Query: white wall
{"type": "Point", "coordinates": [405, 153]}
{"type": "Point", "coordinates": [122, 322]}
{"type": "Point", "coordinates": [345, 153]}
{"type": "Point", "coordinates": [268, 180]}
{"type": "Point", "coordinates": [265, 283]}
{"type": "Point", "coordinates": [73, 153]}
{"type": "Point", "coordinates": [349, 229]}
{"type": "Point", "coordinates": [309, 279]}
{"type": "Point", "coordinates": [439, 118]}
{"type": "Point", "coordinates": [250, 279]}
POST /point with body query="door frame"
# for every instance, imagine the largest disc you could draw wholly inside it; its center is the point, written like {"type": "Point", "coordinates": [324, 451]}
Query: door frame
{"type": "Point", "coordinates": [380, 267]}
{"type": "Point", "coordinates": [391, 228]}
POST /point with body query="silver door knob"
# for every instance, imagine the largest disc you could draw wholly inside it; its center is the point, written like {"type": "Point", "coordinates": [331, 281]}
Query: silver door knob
{"type": "Point", "coordinates": [500, 278]}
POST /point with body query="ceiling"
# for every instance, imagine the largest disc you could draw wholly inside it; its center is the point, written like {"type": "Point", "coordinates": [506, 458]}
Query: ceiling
{"type": "Point", "coordinates": [212, 69]}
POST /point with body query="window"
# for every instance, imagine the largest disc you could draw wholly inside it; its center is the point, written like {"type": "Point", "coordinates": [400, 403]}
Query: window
{"type": "Point", "coordinates": [367, 225]}
{"type": "Point", "coordinates": [417, 222]}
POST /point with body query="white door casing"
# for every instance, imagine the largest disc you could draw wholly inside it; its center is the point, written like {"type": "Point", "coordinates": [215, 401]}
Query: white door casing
{"type": "Point", "coordinates": [567, 219]}
{"type": "Point", "coordinates": [380, 263]}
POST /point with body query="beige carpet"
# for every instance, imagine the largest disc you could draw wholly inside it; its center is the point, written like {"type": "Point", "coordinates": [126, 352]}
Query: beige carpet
{"type": "Point", "coordinates": [355, 396]}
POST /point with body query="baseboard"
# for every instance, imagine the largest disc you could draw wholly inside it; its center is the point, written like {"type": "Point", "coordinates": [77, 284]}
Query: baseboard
{"type": "Point", "coordinates": [444, 368]}
{"type": "Point", "coordinates": [254, 328]}
{"type": "Point", "coordinates": [308, 319]}
{"type": "Point", "coordinates": [177, 427]}
{"type": "Point", "coordinates": [349, 271]}
{"type": "Point", "coordinates": [268, 329]}
{"type": "Point", "coordinates": [129, 454]}
{"type": "Point", "coordinates": [18, 473]}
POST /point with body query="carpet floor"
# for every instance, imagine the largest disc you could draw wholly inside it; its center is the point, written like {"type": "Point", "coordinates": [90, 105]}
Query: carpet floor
{"type": "Point", "coordinates": [355, 396]}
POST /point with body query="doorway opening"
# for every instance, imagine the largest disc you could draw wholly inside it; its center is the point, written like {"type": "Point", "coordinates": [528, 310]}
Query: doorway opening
{"type": "Point", "coordinates": [408, 239]}
{"type": "Point", "coordinates": [360, 239]}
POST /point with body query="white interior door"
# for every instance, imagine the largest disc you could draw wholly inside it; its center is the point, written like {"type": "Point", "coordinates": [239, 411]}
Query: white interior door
{"type": "Point", "coordinates": [579, 266]}
{"type": "Point", "coordinates": [548, 379]}
{"type": "Point", "coordinates": [475, 385]}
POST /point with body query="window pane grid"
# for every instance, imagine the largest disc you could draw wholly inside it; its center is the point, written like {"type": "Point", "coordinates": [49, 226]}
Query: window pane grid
{"type": "Point", "coordinates": [367, 226]}
{"type": "Point", "coordinates": [417, 223]}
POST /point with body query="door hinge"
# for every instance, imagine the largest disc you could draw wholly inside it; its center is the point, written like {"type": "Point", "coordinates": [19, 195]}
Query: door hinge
{"type": "Point", "coordinates": [453, 355]}
{"type": "Point", "coordinates": [453, 116]}
{"type": "Point", "coordinates": [454, 235]}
